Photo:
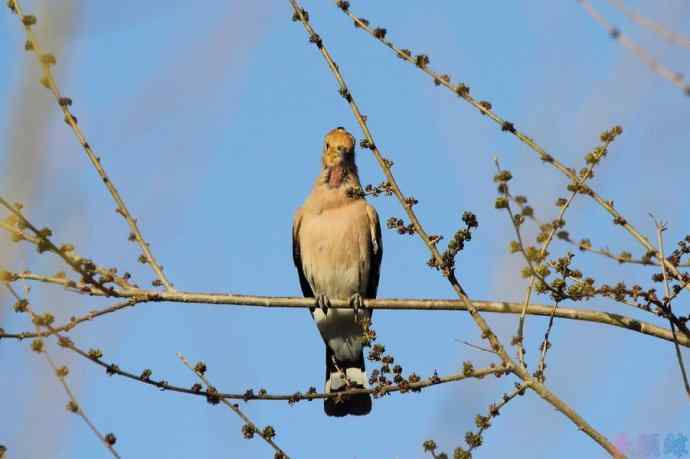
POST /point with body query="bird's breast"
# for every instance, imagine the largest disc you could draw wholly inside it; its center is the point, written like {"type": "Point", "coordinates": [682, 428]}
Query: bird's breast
{"type": "Point", "coordinates": [335, 244]}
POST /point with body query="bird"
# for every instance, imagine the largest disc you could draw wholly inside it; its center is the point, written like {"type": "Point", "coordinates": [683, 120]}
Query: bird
{"type": "Point", "coordinates": [337, 249]}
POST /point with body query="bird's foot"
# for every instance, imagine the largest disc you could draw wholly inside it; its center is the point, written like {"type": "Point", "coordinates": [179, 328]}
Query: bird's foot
{"type": "Point", "coordinates": [323, 302]}
{"type": "Point", "coordinates": [357, 304]}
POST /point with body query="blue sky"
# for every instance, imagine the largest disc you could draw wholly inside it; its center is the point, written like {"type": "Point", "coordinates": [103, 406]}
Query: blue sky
{"type": "Point", "coordinates": [210, 121]}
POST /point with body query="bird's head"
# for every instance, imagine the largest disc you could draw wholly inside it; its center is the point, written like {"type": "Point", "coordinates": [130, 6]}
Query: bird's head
{"type": "Point", "coordinates": [338, 149]}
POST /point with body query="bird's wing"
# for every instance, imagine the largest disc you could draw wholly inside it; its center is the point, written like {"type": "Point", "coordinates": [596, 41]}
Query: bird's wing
{"type": "Point", "coordinates": [296, 255]}
{"type": "Point", "coordinates": [376, 252]}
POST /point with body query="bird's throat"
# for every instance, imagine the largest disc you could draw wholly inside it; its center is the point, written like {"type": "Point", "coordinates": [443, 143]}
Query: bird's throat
{"type": "Point", "coordinates": [336, 176]}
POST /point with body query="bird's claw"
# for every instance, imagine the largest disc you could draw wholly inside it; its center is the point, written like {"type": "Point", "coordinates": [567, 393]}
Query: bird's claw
{"type": "Point", "coordinates": [357, 304]}
{"type": "Point", "coordinates": [323, 302]}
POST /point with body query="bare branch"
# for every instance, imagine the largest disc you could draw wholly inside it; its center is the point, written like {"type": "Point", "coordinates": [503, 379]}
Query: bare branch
{"type": "Point", "coordinates": [391, 304]}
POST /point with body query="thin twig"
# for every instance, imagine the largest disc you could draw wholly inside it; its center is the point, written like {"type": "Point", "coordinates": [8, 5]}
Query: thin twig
{"type": "Point", "coordinates": [75, 407]}
{"type": "Point", "coordinates": [644, 56]}
{"type": "Point", "coordinates": [487, 333]}
{"type": "Point", "coordinates": [656, 27]}
{"type": "Point", "coordinates": [478, 347]}
{"type": "Point", "coordinates": [622, 258]}
{"type": "Point", "coordinates": [250, 428]}
{"type": "Point", "coordinates": [74, 321]}
{"type": "Point", "coordinates": [495, 409]}
{"type": "Point", "coordinates": [46, 61]}
{"type": "Point", "coordinates": [660, 228]}
{"type": "Point", "coordinates": [545, 345]}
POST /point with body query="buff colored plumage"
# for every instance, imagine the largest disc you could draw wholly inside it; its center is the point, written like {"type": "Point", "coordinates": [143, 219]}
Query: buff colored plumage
{"type": "Point", "coordinates": [337, 251]}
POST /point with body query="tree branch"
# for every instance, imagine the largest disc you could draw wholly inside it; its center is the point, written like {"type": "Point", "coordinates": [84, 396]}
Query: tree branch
{"type": "Point", "coordinates": [137, 296]}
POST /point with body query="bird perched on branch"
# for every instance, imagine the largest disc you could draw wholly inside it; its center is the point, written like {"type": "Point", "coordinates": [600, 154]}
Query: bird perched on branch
{"type": "Point", "coordinates": [337, 249]}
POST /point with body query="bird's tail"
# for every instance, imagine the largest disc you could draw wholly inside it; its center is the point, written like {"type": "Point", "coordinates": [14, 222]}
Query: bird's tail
{"type": "Point", "coordinates": [340, 375]}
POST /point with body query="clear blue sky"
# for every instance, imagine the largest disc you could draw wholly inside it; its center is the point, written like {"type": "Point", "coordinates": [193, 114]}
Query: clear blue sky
{"type": "Point", "coordinates": [210, 119]}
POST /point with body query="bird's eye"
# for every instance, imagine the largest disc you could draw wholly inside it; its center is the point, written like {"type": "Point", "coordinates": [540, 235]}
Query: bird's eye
{"type": "Point", "coordinates": [328, 146]}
